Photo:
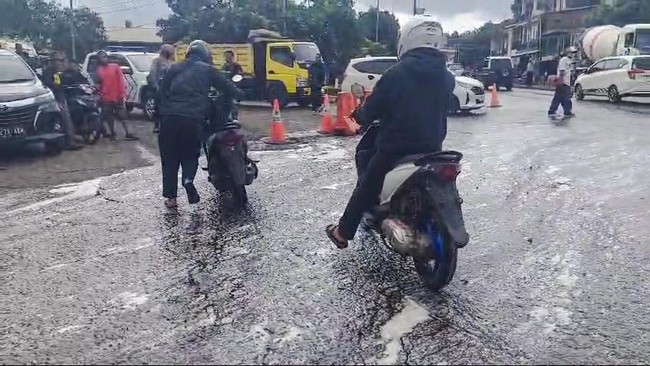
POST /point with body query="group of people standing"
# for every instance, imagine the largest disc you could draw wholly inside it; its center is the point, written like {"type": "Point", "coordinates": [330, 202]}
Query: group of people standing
{"type": "Point", "coordinates": [111, 89]}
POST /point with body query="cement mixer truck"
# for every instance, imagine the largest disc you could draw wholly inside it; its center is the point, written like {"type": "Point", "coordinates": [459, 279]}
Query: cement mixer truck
{"type": "Point", "coordinates": [609, 40]}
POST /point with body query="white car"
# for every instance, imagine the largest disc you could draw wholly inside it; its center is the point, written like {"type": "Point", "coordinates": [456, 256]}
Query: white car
{"type": "Point", "coordinates": [468, 94]}
{"type": "Point", "coordinates": [135, 66]}
{"type": "Point", "coordinates": [615, 78]}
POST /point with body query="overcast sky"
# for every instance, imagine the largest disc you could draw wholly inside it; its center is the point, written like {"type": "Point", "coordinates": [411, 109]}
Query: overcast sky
{"type": "Point", "coordinates": [459, 15]}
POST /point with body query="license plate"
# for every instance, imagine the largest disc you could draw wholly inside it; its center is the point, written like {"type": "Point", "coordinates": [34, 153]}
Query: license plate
{"type": "Point", "coordinates": [6, 132]}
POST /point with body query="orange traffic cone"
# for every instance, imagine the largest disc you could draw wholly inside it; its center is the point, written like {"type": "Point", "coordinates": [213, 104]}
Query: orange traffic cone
{"type": "Point", "coordinates": [346, 126]}
{"type": "Point", "coordinates": [494, 97]}
{"type": "Point", "coordinates": [278, 135]}
{"type": "Point", "coordinates": [327, 121]}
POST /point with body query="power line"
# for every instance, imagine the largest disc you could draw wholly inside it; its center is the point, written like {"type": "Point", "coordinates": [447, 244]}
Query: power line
{"type": "Point", "coordinates": [115, 5]}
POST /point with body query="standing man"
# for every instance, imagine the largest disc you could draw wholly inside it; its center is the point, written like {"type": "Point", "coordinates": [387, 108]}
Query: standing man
{"type": "Point", "coordinates": [112, 92]}
{"type": "Point", "coordinates": [186, 104]}
{"type": "Point", "coordinates": [562, 88]}
{"type": "Point", "coordinates": [53, 79]}
{"type": "Point", "coordinates": [231, 66]}
{"type": "Point", "coordinates": [159, 67]}
{"type": "Point", "coordinates": [530, 72]}
{"type": "Point", "coordinates": [316, 81]}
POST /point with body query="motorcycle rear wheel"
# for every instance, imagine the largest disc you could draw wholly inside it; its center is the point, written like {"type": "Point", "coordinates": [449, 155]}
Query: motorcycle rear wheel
{"type": "Point", "coordinates": [438, 273]}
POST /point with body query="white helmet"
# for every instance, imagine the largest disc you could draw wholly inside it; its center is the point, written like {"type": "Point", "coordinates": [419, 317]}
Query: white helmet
{"type": "Point", "coordinates": [422, 31]}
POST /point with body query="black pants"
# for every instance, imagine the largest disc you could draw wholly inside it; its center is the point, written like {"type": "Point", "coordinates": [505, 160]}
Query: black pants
{"type": "Point", "coordinates": [366, 193]}
{"type": "Point", "coordinates": [316, 97]}
{"type": "Point", "coordinates": [562, 97]}
{"type": "Point", "coordinates": [179, 141]}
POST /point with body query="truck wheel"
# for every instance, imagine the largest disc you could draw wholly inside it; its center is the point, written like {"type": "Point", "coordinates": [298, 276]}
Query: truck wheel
{"type": "Point", "coordinates": [304, 103]}
{"type": "Point", "coordinates": [278, 92]}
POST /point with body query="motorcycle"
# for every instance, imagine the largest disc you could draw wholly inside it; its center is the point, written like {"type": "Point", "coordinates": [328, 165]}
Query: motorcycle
{"type": "Point", "coordinates": [84, 111]}
{"type": "Point", "coordinates": [229, 167]}
{"type": "Point", "coordinates": [418, 214]}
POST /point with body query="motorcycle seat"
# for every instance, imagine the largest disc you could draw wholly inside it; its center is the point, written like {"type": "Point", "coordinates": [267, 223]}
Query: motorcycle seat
{"type": "Point", "coordinates": [231, 126]}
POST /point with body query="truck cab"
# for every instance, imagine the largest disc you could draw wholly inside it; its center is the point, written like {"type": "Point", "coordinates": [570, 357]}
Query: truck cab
{"type": "Point", "coordinates": [634, 40]}
{"type": "Point", "coordinates": [273, 68]}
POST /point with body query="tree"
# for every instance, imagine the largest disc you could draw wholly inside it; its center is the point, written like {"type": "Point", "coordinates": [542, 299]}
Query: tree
{"type": "Point", "coordinates": [46, 24]}
{"type": "Point", "coordinates": [388, 28]}
{"type": "Point", "coordinates": [516, 9]}
{"type": "Point", "coordinates": [624, 12]}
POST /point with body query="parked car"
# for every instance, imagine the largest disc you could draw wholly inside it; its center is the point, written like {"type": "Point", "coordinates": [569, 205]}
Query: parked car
{"type": "Point", "coordinates": [615, 78]}
{"type": "Point", "coordinates": [135, 66]}
{"type": "Point", "coordinates": [499, 71]}
{"type": "Point", "coordinates": [456, 69]}
{"type": "Point", "coordinates": [28, 111]}
{"type": "Point", "coordinates": [468, 94]}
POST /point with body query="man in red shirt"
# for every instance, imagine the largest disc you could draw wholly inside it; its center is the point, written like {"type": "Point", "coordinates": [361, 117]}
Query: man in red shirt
{"type": "Point", "coordinates": [112, 91]}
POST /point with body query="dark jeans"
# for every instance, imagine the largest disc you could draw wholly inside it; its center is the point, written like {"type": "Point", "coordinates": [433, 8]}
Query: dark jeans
{"type": "Point", "coordinates": [529, 78]}
{"type": "Point", "coordinates": [562, 97]}
{"type": "Point", "coordinates": [316, 97]}
{"type": "Point", "coordinates": [179, 142]}
{"type": "Point", "coordinates": [366, 193]}
{"type": "Point", "coordinates": [110, 112]}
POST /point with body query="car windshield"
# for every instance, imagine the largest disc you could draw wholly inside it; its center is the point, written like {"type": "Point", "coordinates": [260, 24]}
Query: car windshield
{"type": "Point", "coordinates": [142, 62]}
{"type": "Point", "coordinates": [643, 41]}
{"type": "Point", "coordinates": [13, 69]}
{"type": "Point", "coordinates": [642, 63]}
{"type": "Point", "coordinates": [306, 52]}
{"type": "Point", "coordinates": [501, 64]}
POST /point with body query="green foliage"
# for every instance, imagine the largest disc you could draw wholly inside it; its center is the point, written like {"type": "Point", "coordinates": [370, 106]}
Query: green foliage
{"type": "Point", "coordinates": [388, 28]}
{"type": "Point", "coordinates": [332, 24]}
{"type": "Point", "coordinates": [47, 25]}
{"type": "Point", "coordinates": [624, 12]}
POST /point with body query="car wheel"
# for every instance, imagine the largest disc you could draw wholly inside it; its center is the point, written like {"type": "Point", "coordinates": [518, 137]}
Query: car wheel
{"type": "Point", "coordinates": [579, 92]}
{"type": "Point", "coordinates": [613, 94]}
{"type": "Point", "coordinates": [54, 147]}
{"type": "Point", "coordinates": [509, 87]}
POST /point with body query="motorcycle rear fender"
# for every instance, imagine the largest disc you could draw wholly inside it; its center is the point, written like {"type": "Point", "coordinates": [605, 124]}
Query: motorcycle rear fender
{"type": "Point", "coordinates": [395, 179]}
{"type": "Point", "coordinates": [447, 207]}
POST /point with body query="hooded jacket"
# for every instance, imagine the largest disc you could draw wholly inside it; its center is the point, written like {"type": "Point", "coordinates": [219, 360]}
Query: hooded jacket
{"type": "Point", "coordinates": [411, 101]}
{"type": "Point", "coordinates": [186, 88]}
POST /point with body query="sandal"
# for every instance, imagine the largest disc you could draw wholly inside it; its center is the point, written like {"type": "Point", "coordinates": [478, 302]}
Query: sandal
{"type": "Point", "coordinates": [330, 234]}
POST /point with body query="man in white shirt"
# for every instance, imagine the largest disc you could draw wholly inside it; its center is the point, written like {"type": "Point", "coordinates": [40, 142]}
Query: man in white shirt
{"type": "Point", "coordinates": [563, 87]}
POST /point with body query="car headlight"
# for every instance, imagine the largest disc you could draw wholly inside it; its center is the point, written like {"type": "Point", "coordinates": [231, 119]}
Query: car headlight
{"type": "Point", "coordinates": [301, 82]}
{"type": "Point", "coordinates": [464, 85]}
{"type": "Point", "coordinates": [47, 103]}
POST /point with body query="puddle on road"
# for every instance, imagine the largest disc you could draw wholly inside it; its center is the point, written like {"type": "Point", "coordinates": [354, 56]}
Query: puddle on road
{"type": "Point", "coordinates": [399, 325]}
{"type": "Point", "coordinates": [87, 188]}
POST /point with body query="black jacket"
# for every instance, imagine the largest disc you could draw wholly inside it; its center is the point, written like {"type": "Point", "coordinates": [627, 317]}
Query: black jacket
{"type": "Point", "coordinates": [186, 88]}
{"type": "Point", "coordinates": [53, 79]}
{"type": "Point", "coordinates": [411, 100]}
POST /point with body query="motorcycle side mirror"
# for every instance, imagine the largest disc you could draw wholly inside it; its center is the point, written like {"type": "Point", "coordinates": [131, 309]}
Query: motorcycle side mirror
{"type": "Point", "coordinates": [358, 90]}
{"type": "Point", "coordinates": [237, 78]}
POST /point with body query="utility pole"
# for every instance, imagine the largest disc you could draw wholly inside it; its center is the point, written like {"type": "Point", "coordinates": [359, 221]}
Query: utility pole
{"type": "Point", "coordinates": [284, 16]}
{"type": "Point", "coordinates": [415, 7]}
{"type": "Point", "coordinates": [377, 25]}
{"type": "Point", "coordinates": [72, 36]}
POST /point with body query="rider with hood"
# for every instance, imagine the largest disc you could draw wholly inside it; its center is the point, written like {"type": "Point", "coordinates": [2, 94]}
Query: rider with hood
{"type": "Point", "coordinates": [411, 101]}
{"type": "Point", "coordinates": [184, 108]}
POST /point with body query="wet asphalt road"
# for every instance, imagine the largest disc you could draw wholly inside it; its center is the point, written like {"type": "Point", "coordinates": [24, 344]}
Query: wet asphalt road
{"type": "Point", "coordinates": [556, 271]}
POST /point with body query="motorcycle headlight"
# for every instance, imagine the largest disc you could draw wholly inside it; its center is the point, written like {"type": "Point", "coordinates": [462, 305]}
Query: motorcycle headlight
{"type": "Point", "coordinates": [464, 85]}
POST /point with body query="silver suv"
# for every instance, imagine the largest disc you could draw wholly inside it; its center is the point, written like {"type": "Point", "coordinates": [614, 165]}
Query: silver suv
{"type": "Point", "coordinates": [28, 111]}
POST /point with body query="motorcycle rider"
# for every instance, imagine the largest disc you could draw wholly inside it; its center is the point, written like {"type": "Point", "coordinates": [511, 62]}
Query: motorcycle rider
{"type": "Point", "coordinates": [185, 105]}
{"type": "Point", "coordinates": [411, 101]}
